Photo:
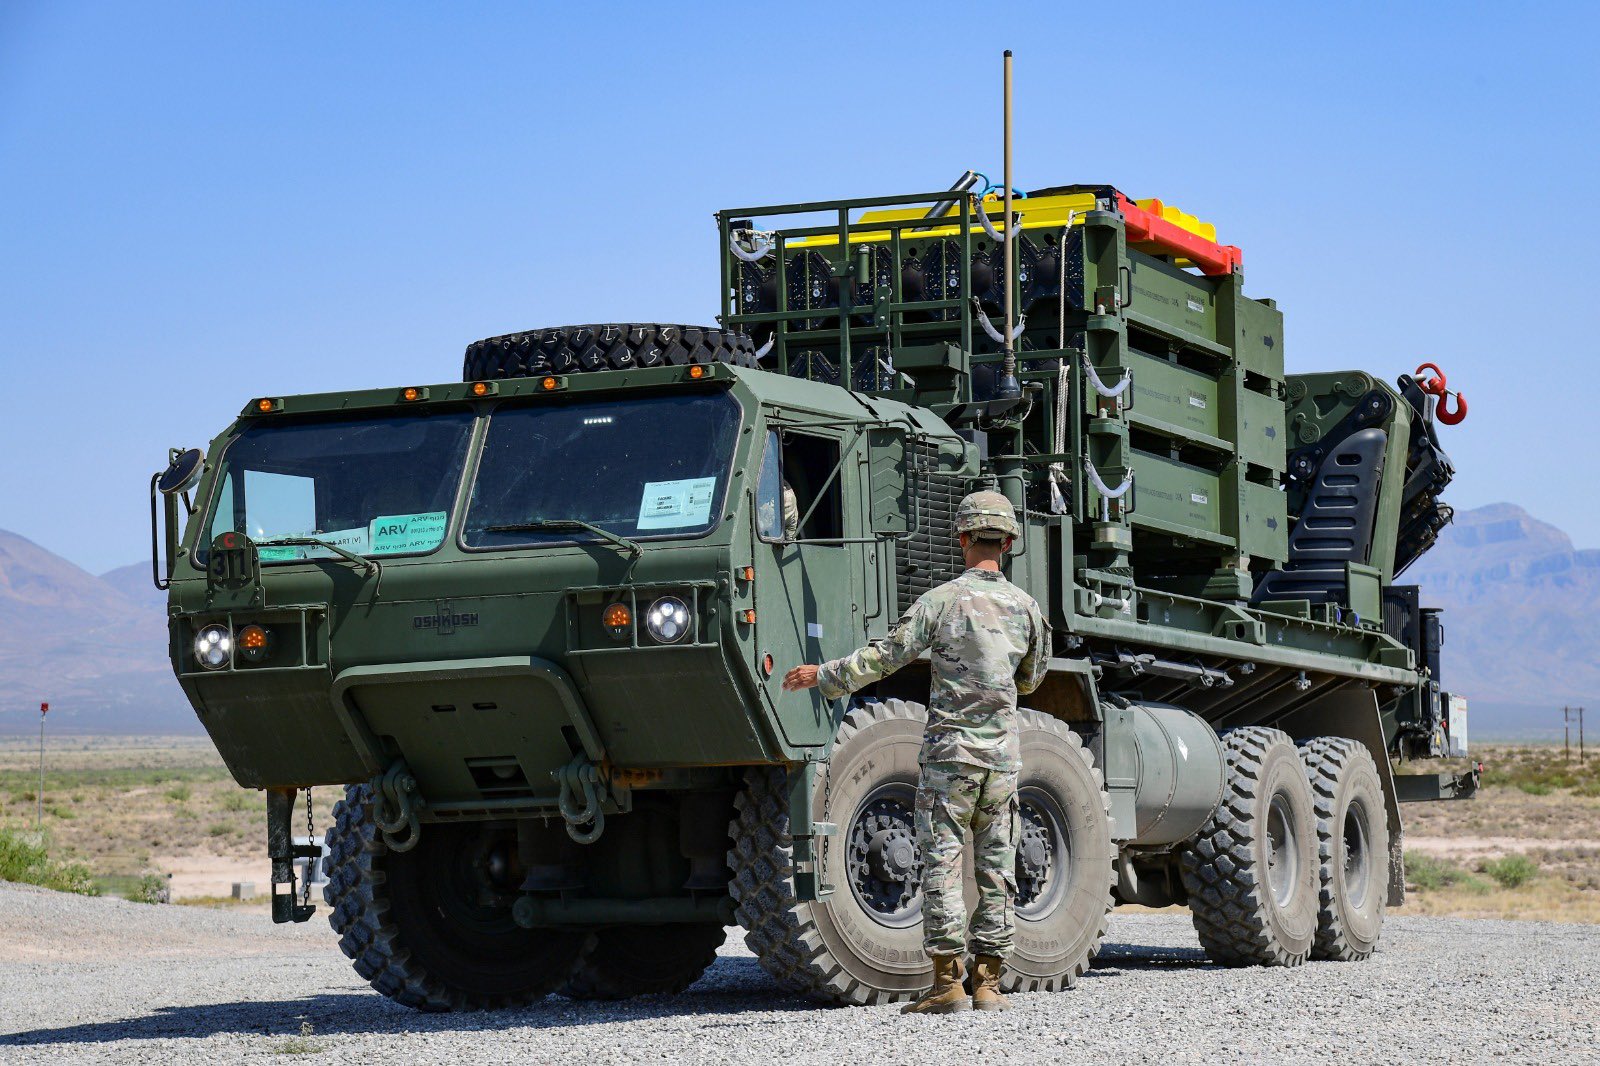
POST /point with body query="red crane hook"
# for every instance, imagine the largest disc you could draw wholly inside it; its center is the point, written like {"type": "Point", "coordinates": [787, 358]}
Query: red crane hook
{"type": "Point", "coordinates": [1437, 386]}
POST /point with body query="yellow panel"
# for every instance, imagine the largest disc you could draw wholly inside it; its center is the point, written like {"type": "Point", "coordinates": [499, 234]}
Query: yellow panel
{"type": "Point", "coordinates": [1036, 212]}
{"type": "Point", "coordinates": [1179, 218]}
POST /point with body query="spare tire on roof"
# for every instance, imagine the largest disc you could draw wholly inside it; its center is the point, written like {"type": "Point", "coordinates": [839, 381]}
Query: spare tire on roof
{"type": "Point", "coordinates": [603, 346]}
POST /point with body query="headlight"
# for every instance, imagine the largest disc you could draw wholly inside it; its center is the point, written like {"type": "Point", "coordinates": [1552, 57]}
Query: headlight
{"type": "Point", "coordinates": [213, 647]}
{"type": "Point", "coordinates": [668, 620]}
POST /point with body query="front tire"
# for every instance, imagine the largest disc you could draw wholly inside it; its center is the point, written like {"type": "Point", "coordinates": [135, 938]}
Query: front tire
{"type": "Point", "coordinates": [863, 944]}
{"type": "Point", "coordinates": [1352, 848]}
{"type": "Point", "coordinates": [1066, 862]}
{"type": "Point", "coordinates": [430, 927]}
{"type": "Point", "coordinates": [1251, 871]}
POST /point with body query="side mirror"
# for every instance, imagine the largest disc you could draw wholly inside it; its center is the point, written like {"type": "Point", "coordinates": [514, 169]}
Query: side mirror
{"type": "Point", "coordinates": [183, 471]}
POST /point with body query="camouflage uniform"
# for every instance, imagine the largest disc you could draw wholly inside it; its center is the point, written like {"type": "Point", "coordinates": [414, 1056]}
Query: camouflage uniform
{"type": "Point", "coordinates": [987, 643]}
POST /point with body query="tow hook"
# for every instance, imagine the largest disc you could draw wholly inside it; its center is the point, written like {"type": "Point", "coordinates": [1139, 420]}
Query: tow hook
{"type": "Point", "coordinates": [582, 793]}
{"type": "Point", "coordinates": [1437, 386]}
{"type": "Point", "coordinates": [396, 791]}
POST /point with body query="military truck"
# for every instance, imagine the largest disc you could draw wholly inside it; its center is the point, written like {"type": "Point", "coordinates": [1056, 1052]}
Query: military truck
{"type": "Point", "coordinates": [534, 622]}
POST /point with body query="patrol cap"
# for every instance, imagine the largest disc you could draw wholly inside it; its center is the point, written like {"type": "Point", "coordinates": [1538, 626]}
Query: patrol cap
{"type": "Point", "coordinates": [987, 516]}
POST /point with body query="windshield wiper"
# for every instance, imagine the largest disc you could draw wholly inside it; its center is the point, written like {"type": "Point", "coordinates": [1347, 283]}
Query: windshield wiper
{"type": "Point", "coordinates": [545, 526]}
{"type": "Point", "coordinates": [371, 566]}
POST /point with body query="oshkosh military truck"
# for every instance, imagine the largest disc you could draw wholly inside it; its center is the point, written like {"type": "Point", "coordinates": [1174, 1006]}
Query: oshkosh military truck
{"type": "Point", "coordinates": [534, 622]}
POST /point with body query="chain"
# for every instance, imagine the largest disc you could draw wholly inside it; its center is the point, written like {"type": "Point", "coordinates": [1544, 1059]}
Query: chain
{"type": "Point", "coordinates": [311, 838]}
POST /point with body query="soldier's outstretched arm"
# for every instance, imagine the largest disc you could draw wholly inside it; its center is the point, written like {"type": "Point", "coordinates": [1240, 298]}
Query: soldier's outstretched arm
{"type": "Point", "coordinates": [1031, 670]}
{"type": "Point", "coordinates": [910, 637]}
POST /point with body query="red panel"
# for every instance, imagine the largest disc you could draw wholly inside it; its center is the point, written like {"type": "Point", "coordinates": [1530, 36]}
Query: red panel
{"type": "Point", "coordinates": [1147, 227]}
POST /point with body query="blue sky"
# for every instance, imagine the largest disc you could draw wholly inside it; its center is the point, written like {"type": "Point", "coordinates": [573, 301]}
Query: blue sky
{"type": "Point", "coordinates": [205, 203]}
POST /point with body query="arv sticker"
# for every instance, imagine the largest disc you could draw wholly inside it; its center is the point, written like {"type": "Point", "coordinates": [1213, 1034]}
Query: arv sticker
{"type": "Point", "coordinates": [354, 539]}
{"type": "Point", "coordinates": [394, 534]}
{"type": "Point", "coordinates": [675, 504]}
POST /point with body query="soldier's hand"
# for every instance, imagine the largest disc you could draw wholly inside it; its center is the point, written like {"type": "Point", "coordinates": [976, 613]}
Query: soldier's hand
{"type": "Point", "coordinates": [799, 678]}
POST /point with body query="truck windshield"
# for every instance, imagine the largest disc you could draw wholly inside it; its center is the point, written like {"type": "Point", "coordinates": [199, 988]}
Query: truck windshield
{"type": "Point", "coordinates": [641, 468]}
{"type": "Point", "coordinates": [374, 486]}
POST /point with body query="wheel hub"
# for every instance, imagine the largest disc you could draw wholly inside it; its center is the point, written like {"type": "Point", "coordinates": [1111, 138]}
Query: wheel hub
{"type": "Point", "coordinates": [1283, 860]}
{"type": "Point", "coordinates": [1036, 854]}
{"type": "Point", "coordinates": [892, 854]}
{"type": "Point", "coordinates": [882, 859]}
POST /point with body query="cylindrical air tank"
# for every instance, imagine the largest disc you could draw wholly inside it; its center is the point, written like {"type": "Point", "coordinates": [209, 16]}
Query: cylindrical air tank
{"type": "Point", "coordinates": [1179, 764]}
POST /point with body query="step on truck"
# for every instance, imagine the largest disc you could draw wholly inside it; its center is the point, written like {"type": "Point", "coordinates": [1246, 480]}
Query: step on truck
{"type": "Point", "coordinates": [533, 623]}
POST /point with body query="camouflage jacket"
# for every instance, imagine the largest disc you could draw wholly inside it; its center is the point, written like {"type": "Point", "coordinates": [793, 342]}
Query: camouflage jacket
{"type": "Point", "coordinates": [987, 642]}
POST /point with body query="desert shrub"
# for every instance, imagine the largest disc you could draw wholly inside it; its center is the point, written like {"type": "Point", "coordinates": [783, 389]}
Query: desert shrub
{"type": "Point", "coordinates": [239, 800]}
{"type": "Point", "coordinates": [179, 793]}
{"type": "Point", "coordinates": [151, 888]}
{"type": "Point", "coordinates": [1535, 788]}
{"type": "Point", "coordinates": [1512, 871]}
{"type": "Point", "coordinates": [1430, 873]}
{"type": "Point", "coordinates": [27, 861]}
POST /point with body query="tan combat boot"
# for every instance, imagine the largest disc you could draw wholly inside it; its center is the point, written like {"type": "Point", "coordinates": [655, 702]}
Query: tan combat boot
{"type": "Point", "coordinates": [986, 984]}
{"type": "Point", "coordinates": [947, 996]}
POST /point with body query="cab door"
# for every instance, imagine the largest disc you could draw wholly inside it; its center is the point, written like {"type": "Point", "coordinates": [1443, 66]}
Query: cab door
{"type": "Point", "coordinates": [807, 580]}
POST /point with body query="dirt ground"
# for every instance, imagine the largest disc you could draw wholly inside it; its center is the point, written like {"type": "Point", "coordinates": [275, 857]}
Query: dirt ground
{"type": "Point", "coordinates": [132, 806]}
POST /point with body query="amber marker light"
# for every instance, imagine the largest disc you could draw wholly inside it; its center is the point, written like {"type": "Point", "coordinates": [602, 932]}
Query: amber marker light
{"type": "Point", "coordinates": [748, 617]}
{"type": "Point", "coordinates": [548, 384]}
{"type": "Point", "coordinates": [747, 573]}
{"type": "Point", "coordinates": [266, 405]}
{"type": "Point", "coordinates": [480, 388]}
{"type": "Point", "coordinates": [617, 620]}
{"type": "Point", "coordinates": [254, 642]}
{"type": "Point", "coordinates": [411, 394]}
{"type": "Point", "coordinates": [697, 372]}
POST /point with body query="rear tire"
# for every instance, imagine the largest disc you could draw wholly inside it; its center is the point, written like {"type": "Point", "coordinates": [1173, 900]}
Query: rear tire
{"type": "Point", "coordinates": [1352, 848]}
{"type": "Point", "coordinates": [425, 928]}
{"type": "Point", "coordinates": [1251, 871]}
{"type": "Point", "coordinates": [602, 346]}
{"type": "Point", "coordinates": [643, 960]}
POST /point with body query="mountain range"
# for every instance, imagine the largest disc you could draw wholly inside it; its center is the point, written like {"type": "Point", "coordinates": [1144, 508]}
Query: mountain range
{"type": "Point", "coordinates": [1521, 632]}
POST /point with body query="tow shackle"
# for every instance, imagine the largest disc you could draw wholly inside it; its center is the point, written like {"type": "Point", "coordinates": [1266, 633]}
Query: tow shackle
{"type": "Point", "coordinates": [1436, 386]}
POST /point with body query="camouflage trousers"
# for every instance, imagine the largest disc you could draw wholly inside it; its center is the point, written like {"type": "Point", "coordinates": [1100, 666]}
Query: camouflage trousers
{"type": "Point", "coordinates": [954, 798]}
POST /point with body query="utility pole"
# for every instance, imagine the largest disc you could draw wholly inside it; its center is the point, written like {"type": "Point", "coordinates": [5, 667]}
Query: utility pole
{"type": "Point", "coordinates": [1568, 716]}
{"type": "Point", "coordinates": [38, 817]}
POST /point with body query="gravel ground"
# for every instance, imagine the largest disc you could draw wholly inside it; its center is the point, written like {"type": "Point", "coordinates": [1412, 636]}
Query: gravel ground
{"type": "Point", "coordinates": [99, 980]}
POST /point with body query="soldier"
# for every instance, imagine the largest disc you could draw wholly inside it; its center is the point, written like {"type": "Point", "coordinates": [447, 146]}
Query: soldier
{"type": "Point", "coordinates": [987, 642]}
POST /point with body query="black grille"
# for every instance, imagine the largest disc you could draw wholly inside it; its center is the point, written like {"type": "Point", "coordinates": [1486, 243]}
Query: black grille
{"type": "Point", "coordinates": [931, 556]}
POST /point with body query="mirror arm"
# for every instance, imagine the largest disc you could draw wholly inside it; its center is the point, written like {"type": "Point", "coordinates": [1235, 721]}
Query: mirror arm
{"type": "Point", "coordinates": [155, 548]}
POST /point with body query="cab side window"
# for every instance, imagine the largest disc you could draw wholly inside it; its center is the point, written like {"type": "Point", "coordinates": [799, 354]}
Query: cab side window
{"type": "Point", "coordinates": [810, 467]}
{"type": "Point", "coordinates": [769, 490]}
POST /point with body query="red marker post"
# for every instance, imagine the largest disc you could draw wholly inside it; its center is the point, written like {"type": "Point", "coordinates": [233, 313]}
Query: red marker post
{"type": "Point", "coordinates": [38, 818]}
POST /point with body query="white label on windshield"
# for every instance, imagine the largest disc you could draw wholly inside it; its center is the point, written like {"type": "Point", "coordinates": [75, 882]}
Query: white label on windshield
{"type": "Point", "coordinates": [675, 504]}
{"type": "Point", "coordinates": [354, 540]}
{"type": "Point", "coordinates": [397, 533]}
